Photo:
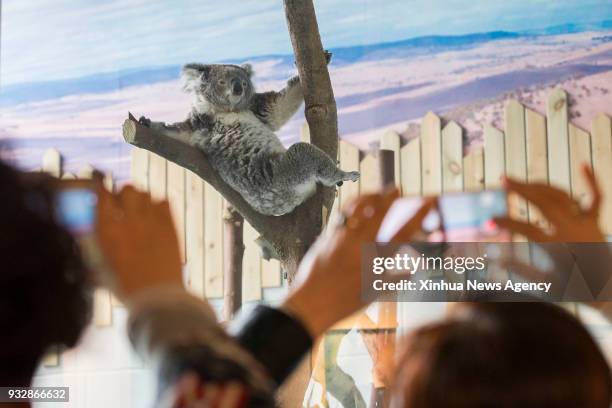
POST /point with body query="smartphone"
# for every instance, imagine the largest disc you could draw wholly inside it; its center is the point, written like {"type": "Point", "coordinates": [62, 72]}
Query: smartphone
{"type": "Point", "coordinates": [74, 203]}
{"type": "Point", "coordinates": [464, 217]}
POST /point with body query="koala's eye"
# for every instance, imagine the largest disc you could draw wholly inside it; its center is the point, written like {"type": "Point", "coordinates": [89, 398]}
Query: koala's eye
{"type": "Point", "coordinates": [244, 84]}
{"type": "Point", "coordinates": [221, 82]}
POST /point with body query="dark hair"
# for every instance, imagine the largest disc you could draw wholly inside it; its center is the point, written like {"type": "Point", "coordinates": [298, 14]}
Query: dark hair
{"type": "Point", "coordinates": [524, 355]}
{"type": "Point", "coordinates": [45, 296]}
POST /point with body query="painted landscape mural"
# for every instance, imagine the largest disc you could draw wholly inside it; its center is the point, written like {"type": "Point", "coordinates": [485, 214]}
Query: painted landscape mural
{"type": "Point", "coordinates": [71, 70]}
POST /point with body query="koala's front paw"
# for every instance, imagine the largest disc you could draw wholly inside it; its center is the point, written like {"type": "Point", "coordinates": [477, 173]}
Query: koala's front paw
{"type": "Point", "coordinates": [144, 121]}
{"type": "Point", "coordinates": [293, 81]}
{"type": "Point", "coordinates": [328, 56]}
{"type": "Point", "coordinates": [349, 176]}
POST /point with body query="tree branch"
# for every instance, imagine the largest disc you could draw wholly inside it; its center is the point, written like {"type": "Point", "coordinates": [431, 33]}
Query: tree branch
{"type": "Point", "coordinates": [194, 160]}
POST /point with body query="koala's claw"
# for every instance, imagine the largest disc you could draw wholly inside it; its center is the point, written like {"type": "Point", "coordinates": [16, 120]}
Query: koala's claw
{"type": "Point", "coordinates": [328, 56]}
{"type": "Point", "coordinates": [351, 176]}
{"type": "Point", "coordinates": [144, 121]}
{"type": "Point", "coordinates": [293, 81]}
{"type": "Point", "coordinates": [348, 176]}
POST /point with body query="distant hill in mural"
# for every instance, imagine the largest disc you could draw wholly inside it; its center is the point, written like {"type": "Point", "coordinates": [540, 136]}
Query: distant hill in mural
{"type": "Point", "coordinates": [412, 47]}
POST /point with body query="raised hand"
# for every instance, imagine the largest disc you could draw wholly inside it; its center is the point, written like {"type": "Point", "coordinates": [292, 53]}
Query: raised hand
{"type": "Point", "coordinates": [138, 240]}
{"type": "Point", "coordinates": [569, 222]}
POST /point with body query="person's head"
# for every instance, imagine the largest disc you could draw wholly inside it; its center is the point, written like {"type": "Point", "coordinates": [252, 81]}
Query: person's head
{"type": "Point", "coordinates": [45, 296]}
{"type": "Point", "coordinates": [524, 355]}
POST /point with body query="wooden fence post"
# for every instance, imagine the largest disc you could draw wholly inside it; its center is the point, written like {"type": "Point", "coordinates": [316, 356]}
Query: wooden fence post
{"type": "Point", "coordinates": [410, 164]}
{"type": "Point", "coordinates": [601, 140]}
{"type": "Point", "coordinates": [431, 155]}
{"type": "Point", "coordinates": [452, 158]}
{"type": "Point", "coordinates": [52, 163]}
{"type": "Point", "coordinates": [233, 252]}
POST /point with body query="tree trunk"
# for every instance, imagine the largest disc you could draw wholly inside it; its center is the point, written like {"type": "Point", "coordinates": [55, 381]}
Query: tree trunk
{"type": "Point", "coordinates": [322, 118]}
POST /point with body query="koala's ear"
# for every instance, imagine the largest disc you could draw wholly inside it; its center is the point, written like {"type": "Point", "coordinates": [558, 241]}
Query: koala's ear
{"type": "Point", "coordinates": [193, 75]}
{"type": "Point", "coordinates": [248, 68]}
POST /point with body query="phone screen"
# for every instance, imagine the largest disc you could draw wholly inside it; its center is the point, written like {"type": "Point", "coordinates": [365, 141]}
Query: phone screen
{"type": "Point", "coordinates": [75, 209]}
{"type": "Point", "coordinates": [465, 217]}
{"type": "Point", "coordinates": [468, 217]}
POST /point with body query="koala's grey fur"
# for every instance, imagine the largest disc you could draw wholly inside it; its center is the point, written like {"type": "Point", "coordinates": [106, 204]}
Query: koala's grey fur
{"type": "Point", "coordinates": [234, 126]}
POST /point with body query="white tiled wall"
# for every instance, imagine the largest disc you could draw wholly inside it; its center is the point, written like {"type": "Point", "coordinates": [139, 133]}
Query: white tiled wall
{"type": "Point", "coordinates": [102, 371]}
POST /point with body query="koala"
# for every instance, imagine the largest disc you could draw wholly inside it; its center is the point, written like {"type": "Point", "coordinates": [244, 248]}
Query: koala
{"type": "Point", "coordinates": [234, 127]}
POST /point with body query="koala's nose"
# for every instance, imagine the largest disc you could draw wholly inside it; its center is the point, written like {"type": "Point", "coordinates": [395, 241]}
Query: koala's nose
{"type": "Point", "coordinates": [236, 87]}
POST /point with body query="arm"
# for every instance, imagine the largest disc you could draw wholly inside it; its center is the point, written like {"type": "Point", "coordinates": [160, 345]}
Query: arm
{"type": "Point", "coordinates": [180, 334]}
{"type": "Point", "coordinates": [276, 108]}
{"type": "Point", "coordinates": [275, 338]}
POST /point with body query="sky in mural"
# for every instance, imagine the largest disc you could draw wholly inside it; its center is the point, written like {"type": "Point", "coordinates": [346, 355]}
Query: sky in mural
{"type": "Point", "coordinates": [45, 40]}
